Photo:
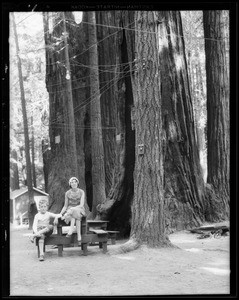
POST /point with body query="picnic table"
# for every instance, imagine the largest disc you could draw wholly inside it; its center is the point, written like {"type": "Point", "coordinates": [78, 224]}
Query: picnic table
{"type": "Point", "coordinates": [93, 232]}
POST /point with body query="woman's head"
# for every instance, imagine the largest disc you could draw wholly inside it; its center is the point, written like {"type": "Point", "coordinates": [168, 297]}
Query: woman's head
{"type": "Point", "coordinates": [73, 180]}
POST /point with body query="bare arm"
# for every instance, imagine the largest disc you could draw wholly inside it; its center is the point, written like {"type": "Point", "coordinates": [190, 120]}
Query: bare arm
{"type": "Point", "coordinates": [64, 208]}
{"type": "Point", "coordinates": [55, 215]}
{"type": "Point", "coordinates": [82, 200]}
{"type": "Point", "coordinates": [34, 226]}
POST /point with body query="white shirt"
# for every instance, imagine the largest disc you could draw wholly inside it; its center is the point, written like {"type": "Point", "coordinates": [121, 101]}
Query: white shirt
{"type": "Point", "coordinates": [42, 220]}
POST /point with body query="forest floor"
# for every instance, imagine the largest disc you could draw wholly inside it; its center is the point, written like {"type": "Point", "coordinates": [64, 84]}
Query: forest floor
{"type": "Point", "coordinates": [197, 266]}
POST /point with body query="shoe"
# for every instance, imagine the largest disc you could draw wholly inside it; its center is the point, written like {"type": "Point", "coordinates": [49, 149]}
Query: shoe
{"type": "Point", "coordinates": [41, 258]}
{"type": "Point", "coordinates": [32, 239]}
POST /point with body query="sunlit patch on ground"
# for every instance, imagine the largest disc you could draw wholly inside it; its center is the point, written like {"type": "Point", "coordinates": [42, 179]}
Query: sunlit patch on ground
{"type": "Point", "coordinates": [27, 234]}
{"type": "Point", "coordinates": [125, 257]}
{"type": "Point", "coordinates": [193, 250]}
{"type": "Point", "coordinates": [219, 263]}
{"type": "Point", "coordinates": [217, 271]}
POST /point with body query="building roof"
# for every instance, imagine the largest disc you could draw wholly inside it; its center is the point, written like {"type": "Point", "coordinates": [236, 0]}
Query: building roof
{"type": "Point", "coordinates": [16, 193]}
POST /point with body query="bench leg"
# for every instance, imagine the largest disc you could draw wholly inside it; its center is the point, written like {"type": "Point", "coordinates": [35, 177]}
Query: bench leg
{"type": "Point", "coordinates": [84, 248]}
{"type": "Point", "coordinates": [60, 249]}
{"type": "Point", "coordinates": [38, 251]}
{"type": "Point", "coordinates": [100, 245]}
{"type": "Point", "coordinates": [104, 247]}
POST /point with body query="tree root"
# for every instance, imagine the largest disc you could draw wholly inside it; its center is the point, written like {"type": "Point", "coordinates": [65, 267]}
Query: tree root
{"type": "Point", "coordinates": [132, 244]}
{"type": "Point", "coordinates": [128, 246]}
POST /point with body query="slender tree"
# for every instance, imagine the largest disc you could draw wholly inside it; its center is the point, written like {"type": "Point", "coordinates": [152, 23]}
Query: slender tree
{"type": "Point", "coordinates": [26, 133]}
{"type": "Point", "coordinates": [14, 174]}
{"type": "Point", "coordinates": [217, 109]}
{"type": "Point", "coordinates": [98, 168]}
{"type": "Point", "coordinates": [33, 155]}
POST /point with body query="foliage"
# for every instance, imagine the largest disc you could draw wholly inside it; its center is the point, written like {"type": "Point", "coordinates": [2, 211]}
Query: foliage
{"type": "Point", "coordinates": [32, 56]}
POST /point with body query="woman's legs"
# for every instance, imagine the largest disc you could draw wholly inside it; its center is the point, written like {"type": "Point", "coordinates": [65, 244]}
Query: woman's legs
{"type": "Point", "coordinates": [78, 230]}
{"type": "Point", "coordinates": [71, 226]}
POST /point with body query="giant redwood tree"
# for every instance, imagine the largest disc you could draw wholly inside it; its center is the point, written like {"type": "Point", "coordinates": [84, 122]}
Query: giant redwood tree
{"type": "Point", "coordinates": [185, 202]}
{"type": "Point", "coordinates": [148, 204]}
{"type": "Point", "coordinates": [62, 165]}
{"type": "Point", "coordinates": [218, 145]}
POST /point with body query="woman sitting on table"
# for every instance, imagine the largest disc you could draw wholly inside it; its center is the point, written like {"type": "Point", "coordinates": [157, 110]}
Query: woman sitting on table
{"type": "Point", "coordinates": [74, 207]}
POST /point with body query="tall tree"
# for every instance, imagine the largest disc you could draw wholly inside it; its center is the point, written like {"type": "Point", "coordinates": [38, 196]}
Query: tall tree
{"type": "Point", "coordinates": [69, 99]}
{"type": "Point", "coordinates": [185, 202]}
{"type": "Point", "coordinates": [26, 133]}
{"type": "Point", "coordinates": [61, 130]}
{"type": "Point", "coordinates": [217, 109]}
{"type": "Point", "coordinates": [148, 205]}
{"type": "Point", "coordinates": [97, 150]}
{"type": "Point", "coordinates": [33, 155]}
{"type": "Point", "coordinates": [116, 54]}
{"type": "Point", "coordinates": [14, 176]}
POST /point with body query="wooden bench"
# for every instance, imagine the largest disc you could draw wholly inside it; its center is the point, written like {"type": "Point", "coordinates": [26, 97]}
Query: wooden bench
{"type": "Point", "coordinates": [112, 235]}
{"type": "Point", "coordinates": [102, 238]}
{"type": "Point", "coordinates": [60, 240]}
{"type": "Point", "coordinates": [89, 236]}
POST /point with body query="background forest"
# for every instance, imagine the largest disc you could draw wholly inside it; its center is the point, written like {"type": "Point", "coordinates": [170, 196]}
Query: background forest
{"type": "Point", "coordinates": [133, 103]}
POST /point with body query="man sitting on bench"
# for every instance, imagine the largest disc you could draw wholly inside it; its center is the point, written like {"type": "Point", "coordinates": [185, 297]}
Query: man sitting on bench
{"type": "Point", "coordinates": [41, 225]}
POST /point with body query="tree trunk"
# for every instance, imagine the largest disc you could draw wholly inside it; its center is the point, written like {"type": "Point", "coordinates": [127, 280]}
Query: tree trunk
{"type": "Point", "coordinates": [61, 128]}
{"type": "Point", "coordinates": [148, 204]}
{"type": "Point", "coordinates": [14, 176]}
{"type": "Point", "coordinates": [107, 79]}
{"type": "Point", "coordinates": [117, 208]}
{"type": "Point", "coordinates": [185, 203]}
{"type": "Point", "coordinates": [199, 108]}
{"type": "Point", "coordinates": [217, 110]}
{"type": "Point", "coordinates": [46, 156]}
{"type": "Point", "coordinates": [26, 134]}
{"type": "Point", "coordinates": [97, 150]}
{"type": "Point", "coordinates": [33, 156]}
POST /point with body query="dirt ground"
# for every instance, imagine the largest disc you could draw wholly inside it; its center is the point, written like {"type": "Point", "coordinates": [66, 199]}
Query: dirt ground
{"type": "Point", "coordinates": [198, 266]}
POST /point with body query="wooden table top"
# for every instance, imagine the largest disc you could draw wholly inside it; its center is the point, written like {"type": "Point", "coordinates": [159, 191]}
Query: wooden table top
{"type": "Point", "coordinates": [96, 221]}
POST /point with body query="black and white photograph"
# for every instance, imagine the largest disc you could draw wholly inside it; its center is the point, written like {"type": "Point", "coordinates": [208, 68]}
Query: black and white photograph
{"type": "Point", "coordinates": [119, 150]}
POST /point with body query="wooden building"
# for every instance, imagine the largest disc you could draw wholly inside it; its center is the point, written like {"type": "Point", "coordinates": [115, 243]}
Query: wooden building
{"type": "Point", "coordinates": [19, 200]}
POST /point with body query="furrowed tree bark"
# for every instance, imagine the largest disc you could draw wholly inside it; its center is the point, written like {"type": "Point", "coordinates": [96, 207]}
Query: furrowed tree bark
{"type": "Point", "coordinates": [107, 80]}
{"type": "Point", "coordinates": [117, 207]}
{"type": "Point", "coordinates": [148, 204]}
{"type": "Point", "coordinates": [217, 111]}
{"type": "Point", "coordinates": [185, 202]}
{"type": "Point", "coordinates": [61, 129]}
{"type": "Point", "coordinates": [97, 150]}
{"type": "Point", "coordinates": [46, 156]}
{"type": "Point", "coordinates": [26, 132]}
